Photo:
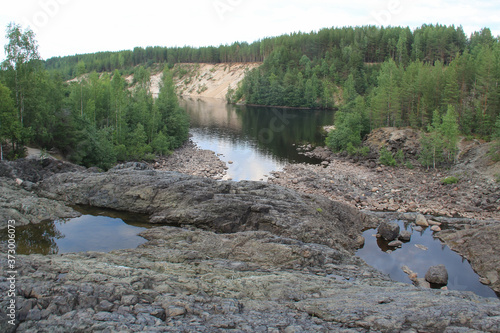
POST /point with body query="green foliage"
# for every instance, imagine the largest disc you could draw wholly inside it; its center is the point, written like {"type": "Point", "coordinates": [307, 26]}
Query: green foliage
{"type": "Point", "coordinates": [10, 127]}
{"type": "Point", "coordinates": [94, 121]}
{"type": "Point", "coordinates": [409, 165]}
{"type": "Point", "coordinates": [362, 151]}
{"type": "Point", "coordinates": [386, 157]}
{"type": "Point", "coordinates": [137, 143]}
{"type": "Point", "coordinates": [439, 146]}
{"type": "Point", "coordinates": [161, 144]}
{"type": "Point", "coordinates": [350, 127]}
{"type": "Point", "coordinates": [495, 146]}
{"type": "Point", "coordinates": [449, 180]}
{"type": "Point", "coordinates": [399, 157]}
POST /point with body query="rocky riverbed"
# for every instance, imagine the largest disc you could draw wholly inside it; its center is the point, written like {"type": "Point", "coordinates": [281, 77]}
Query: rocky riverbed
{"type": "Point", "coordinates": [191, 160]}
{"type": "Point", "coordinates": [235, 256]}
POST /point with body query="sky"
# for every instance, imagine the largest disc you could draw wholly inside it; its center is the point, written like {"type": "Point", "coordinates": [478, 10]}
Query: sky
{"type": "Point", "coordinates": [68, 27]}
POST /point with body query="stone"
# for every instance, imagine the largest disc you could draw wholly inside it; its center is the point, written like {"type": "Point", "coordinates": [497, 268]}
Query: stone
{"type": "Point", "coordinates": [485, 281]}
{"type": "Point", "coordinates": [262, 259]}
{"type": "Point", "coordinates": [421, 247]}
{"type": "Point", "coordinates": [421, 282]}
{"type": "Point", "coordinates": [388, 230]}
{"type": "Point", "coordinates": [294, 329]}
{"type": "Point", "coordinates": [360, 241]}
{"type": "Point", "coordinates": [421, 221]}
{"type": "Point", "coordinates": [174, 311]}
{"type": "Point", "coordinates": [395, 243]}
{"type": "Point", "coordinates": [432, 222]}
{"type": "Point", "coordinates": [129, 300]}
{"type": "Point", "coordinates": [435, 228]}
{"type": "Point", "coordinates": [437, 275]}
{"type": "Point", "coordinates": [405, 235]}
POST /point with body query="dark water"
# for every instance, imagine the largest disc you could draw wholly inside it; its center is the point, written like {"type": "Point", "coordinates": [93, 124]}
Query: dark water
{"type": "Point", "coordinates": [96, 230]}
{"type": "Point", "coordinates": [378, 254]}
{"type": "Point", "coordinates": [257, 140]}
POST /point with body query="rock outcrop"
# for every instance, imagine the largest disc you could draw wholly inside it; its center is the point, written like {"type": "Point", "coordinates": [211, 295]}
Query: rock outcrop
{"type": "Point", "coordinates": [252, 281]}
{"type": "Point", "coordinates": [244, 257]}
{"type": "Point", "coordinates": [224, 207]}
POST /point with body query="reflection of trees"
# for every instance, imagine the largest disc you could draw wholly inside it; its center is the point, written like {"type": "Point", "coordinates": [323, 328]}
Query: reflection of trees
{"type": "Point", "coordinates": [38, 238]}
{"type": "Point", "coordinates": [275, 129]}
{"type": "Point", "coordinates": [272, 129]}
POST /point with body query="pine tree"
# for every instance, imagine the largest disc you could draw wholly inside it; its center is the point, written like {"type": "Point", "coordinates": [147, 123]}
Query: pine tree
{"type": "Point", "coordinates": [10, 126]}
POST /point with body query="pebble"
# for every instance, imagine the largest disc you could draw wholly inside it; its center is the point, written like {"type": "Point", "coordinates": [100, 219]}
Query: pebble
{"type": "Point", "coordinates": [421, 247]}
{"type": "Point", "coordinates": [421, 221]}
{"type": "Point", "coordinates": [395, 243]}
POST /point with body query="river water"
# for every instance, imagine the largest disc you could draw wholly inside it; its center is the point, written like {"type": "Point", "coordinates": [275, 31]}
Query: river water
{"type": "Point", "coordinates": [257, 140]}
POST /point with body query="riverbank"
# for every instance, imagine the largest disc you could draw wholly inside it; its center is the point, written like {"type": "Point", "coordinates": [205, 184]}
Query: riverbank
{"type": "Point", "coordinates": [374, 187]}
{"type": "Point", "coordinates": [244, 256]}
{"type": "Point", "coordinates": [192, 160]}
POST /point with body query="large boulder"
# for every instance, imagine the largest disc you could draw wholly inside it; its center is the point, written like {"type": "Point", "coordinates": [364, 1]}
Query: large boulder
{"type": "Point", "coordinates": [388, 230]}
{"type": "Point", "coordinates": [220, 206]}
{"type": "Point", "coordinates": [437, 275]}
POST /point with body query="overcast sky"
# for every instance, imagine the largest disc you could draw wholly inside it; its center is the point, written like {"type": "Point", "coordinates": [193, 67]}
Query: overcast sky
{"type": "Point", "coordinates": [67, 27]}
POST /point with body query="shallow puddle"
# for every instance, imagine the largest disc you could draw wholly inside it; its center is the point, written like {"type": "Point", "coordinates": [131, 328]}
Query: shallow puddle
{"type": "Point", "coordinates": [421, 252]}
{"type": "Point", "coordinates": [97, 229]}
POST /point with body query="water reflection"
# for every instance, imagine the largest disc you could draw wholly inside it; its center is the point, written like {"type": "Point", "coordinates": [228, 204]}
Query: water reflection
{"type": "Point", "coordinates": [257, 140]}
{"type": "Point", "coordinates": [421, 252]}
{"type": "Point", "coordinates": [96, 230]}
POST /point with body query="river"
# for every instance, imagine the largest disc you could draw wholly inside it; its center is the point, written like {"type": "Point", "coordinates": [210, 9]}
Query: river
{"type": "Point", "coordinates": [252, 140]}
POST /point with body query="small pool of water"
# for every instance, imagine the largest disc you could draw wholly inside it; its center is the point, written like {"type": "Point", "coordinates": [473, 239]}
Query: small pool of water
{"type": "Point", "coordinates": [101, 230]}
{"type": "Point", "coordinates": [420, 253]}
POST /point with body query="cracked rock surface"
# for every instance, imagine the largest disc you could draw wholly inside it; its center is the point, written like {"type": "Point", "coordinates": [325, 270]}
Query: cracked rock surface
{"type": "Point", "coordinates": [240, 257]}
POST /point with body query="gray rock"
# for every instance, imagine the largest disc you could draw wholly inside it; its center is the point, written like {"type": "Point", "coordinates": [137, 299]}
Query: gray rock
{"type": "Point", "coordinates": [245, 257]}
{"type": "Point", "coordinates": [22, 206]}
{"type": "Point", "coordinates": [437, 275]}
{"type": "Point", "coordinates": [388, 230]}
{"type": "Point", "coordinates": [174, 198]}
{"type": "Point", "coordinates": [421, 221]}
{"type": "Point", "coordinates": [396, 243]}
{"type": "Point", "coordinates": [405, 236]}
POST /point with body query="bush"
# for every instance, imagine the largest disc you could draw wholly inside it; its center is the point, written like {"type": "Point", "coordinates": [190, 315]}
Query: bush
{"type": "Point", "coordinates": [449, 180]}
{"type": "Point", "coordinates": [400, 157]}
{"type": "Point", "coordinates": [386, 157]}
{"type": "Point", "coordinates": [350, 127]}
{"type": "Point", "coordinates": [357, 151]}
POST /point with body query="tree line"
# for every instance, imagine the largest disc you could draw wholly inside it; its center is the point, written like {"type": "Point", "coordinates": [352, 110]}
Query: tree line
{"type": "Point", "coordinates": [403, 82]}
{"type": "Point", "coordinates": [376, 76]}
{"type": "Point", "coordinates": [371, 44]}
{"type": "Point", "coordinates": [95, 120]}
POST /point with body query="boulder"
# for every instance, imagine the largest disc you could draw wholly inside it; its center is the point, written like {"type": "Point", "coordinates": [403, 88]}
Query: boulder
{"type": "Point", "coordinates": [405, 236]}
{"type": "Point", "coordinates": [437, 275]}
{"type": "Point", "coordinates": [421, 221]}
{"type": "Point", "coordinates": [388, 230]}
{"type": "Point", "coordinates": [395, 243]}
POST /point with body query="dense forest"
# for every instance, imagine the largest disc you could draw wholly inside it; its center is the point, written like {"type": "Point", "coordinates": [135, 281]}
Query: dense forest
{"type": "Point", "coordinates": [429, 78]}
{"type": "Point", "coordinates": [94, 120]}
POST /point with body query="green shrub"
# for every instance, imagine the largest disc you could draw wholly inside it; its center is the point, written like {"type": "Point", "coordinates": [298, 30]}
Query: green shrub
{"type": "Point", "coordinates": [400, 157]}
{"type": "Point", "coordinates": [449, 180]}
{"type": "Point", "coordinates": [357, 151]}
{"type": "Point", "coordinates": [386, 157]}
{"type": "Point", "coordinates": [409, 165]}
